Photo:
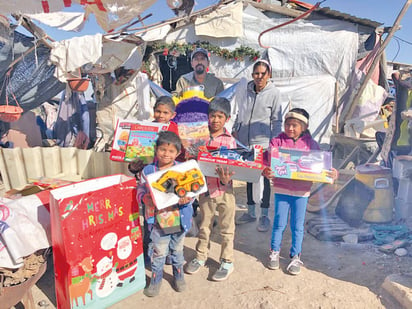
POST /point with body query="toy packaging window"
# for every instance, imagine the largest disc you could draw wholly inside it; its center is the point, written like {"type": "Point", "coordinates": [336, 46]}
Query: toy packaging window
{"type": "Point", "coordinates": [301, 165]}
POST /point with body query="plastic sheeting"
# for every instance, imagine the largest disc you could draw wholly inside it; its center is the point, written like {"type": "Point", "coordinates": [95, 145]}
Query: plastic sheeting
{"type": "Point", "coordinates": [110, 14]}
{"type": "Point", "coordinates": [307, 57]}
{"type": "Point", "coordinates": [31, 79]}
{"type": "Point", "coordinates": [96, 55]}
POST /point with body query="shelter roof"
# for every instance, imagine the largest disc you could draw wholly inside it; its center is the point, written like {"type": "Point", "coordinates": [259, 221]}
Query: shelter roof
{"type": "Point", "coordinates": [326, 11]}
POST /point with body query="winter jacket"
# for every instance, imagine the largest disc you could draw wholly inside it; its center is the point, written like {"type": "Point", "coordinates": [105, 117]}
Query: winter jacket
{"type": "Point", "coordinates": [259, 118]}
{"type": "Point", "coordinates": [292, 186]}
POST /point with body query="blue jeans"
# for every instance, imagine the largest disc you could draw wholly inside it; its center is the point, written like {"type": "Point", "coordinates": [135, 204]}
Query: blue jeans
{"type": "Point", "coordinates": [159, 249]}
{"type": "Point", "coordinates": [297, 206]}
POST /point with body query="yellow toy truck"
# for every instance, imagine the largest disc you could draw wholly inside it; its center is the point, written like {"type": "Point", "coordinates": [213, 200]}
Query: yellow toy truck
{"type": "Point", "coordinates": [180, 182]}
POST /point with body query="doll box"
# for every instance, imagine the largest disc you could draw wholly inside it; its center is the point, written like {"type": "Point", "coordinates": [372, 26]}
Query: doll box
{"type": "Point", "coordinates": [296, 164]}
{"type": "Point", "coordinates": [246, 164]}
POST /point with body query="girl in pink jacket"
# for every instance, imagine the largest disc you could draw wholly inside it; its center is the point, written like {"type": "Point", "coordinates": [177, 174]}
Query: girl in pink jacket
{"type": "Point", "coordinates": [291, 195]}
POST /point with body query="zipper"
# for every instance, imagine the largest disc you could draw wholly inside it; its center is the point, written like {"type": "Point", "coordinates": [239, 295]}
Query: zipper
{"type": "Point", "coordinates": [250, 119]}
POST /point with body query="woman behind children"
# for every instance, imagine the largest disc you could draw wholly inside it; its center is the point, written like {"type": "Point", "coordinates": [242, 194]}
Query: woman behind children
{"type": "Point", "coordinates": [168, 146]}
{"type": "Point", "coordinates": [291, 195]}
{"type": "Point", "coordinates": [259, 120]}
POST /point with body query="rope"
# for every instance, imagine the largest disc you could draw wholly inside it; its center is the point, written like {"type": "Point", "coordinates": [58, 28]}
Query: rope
{"type": "Point", "coordinates": [288, 22]}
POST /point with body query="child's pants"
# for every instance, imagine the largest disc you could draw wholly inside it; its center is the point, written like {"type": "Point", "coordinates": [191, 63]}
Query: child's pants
{"type": "Point", "coordinates": [160, 246]}
{"type": "Point", "coordinates": [226, 208]}
{"type": "Point", "coordinates": [297, 207]}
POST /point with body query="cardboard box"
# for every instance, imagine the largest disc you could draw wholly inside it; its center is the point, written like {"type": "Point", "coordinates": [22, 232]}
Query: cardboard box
{"type": "Point", "coordinates": [165, 184]}
{"type": "Point", "coordinates": [249, 169]}
{"type": "Point", "coordinates": [97, 242]}
{"type": "Point", "coordinates": [301, 165]}
{"type": "Point", "coordinates": [193, 135]}
{"type": "Point", "coordinates": [135, 139]}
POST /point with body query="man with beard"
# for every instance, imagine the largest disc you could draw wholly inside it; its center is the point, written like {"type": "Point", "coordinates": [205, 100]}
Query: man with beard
{"type": "Point", "coordinates": [199, 61]}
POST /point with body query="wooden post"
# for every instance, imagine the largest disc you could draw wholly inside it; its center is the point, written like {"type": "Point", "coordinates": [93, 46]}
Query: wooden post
{"type": "Point", "coordinates": [376, 60]}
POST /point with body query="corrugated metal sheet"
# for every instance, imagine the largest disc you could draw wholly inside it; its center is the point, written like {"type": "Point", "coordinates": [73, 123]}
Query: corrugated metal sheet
{"type": "Point", "coordinates": [326, 11]}
{"type": "Point", "coordinates": [17, 165]}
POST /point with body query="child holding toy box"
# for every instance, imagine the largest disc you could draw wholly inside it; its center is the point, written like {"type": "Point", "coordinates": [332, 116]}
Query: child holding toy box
{"type": "Point", "coordinates": [291, 195]}
{"type": "Point", "coordinates": [165, 237]}
{"type": "Point", "coordinates": [219, 198]}
{"type": "Point", "coordinates": [163, 112]}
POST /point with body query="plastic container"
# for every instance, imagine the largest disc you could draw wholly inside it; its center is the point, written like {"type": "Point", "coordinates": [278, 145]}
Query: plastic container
{"type": "Point", "coordinates": [10, 113]}
{"type": "Point", "coordinates": [78, 84]}
{"type": "Point", "coordinates": [378, 178]}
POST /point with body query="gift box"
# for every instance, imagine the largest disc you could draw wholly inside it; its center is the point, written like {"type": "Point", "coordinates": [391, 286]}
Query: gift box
{"type": "Point", "coordinates": [193, 135]}
{"type": "Point", "coordinates": [97, 242]}
{"type": "Point", "coordinates": [311, 165]}
{"type": "Point", "coordinates": [247, 164]}
{"type": "Point", "coordinates": [135, 139]}
{"type": "Point", "coordinates": [168, 185]}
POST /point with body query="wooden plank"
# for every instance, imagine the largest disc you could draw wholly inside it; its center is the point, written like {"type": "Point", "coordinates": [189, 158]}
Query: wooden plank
{"type": "Point", "coordinates": [68, 159]}
{"type": "Point", "coordinates": [4, 172]}
{"type": "Point", "coordinates": [51, 161]}
{"type": "Point", "coordinates": [15, 167]}
{"type": "Point", "coordinates": [33, 161]}
{"type": "Point", "coordinates": [84, 163]}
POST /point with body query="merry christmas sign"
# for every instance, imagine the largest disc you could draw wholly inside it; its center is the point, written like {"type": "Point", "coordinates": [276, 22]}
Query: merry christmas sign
{"type": "Point", "coordinates": [97, 242]}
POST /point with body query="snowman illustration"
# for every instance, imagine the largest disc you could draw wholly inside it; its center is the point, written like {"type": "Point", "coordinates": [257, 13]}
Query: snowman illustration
{"type": "Point", "coordinates": [108, 278]}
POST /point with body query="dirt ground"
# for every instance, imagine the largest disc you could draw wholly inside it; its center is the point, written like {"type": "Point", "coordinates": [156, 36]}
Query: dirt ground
{"type": "Point", "coordinates": [334, 276]}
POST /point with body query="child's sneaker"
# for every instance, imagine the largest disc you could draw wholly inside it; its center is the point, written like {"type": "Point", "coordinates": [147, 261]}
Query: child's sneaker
{"type": "Point", "coordinates": [179, 284]}
{"type": "Point", "coordinates": [194, 266]}
{"type": "Point", "coordinates": [152, 290]}
{"type": "Point", "coordinates": [223, 272]}
{"type": "Point", "coordinates": [294, 265]}
{"type": "Point", "coordinates": [245, 218]}
{"type": "Point", "coordinates": [273, 260]}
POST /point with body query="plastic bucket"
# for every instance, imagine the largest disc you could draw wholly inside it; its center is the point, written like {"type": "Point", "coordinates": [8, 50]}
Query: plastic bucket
{"type": "Point", "coordinates": [378, 178]}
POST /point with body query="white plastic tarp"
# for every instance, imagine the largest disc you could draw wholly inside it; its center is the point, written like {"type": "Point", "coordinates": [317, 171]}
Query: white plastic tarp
{"type": "Point", "coordinates": [101, 56]}
{"type": "Point", "coordinates": [67, 21]}
{"type": "Point", "coordinates": [24, 229]}
{"type": "Point", "coordinates": [307, 57]}
{"type": "Point", "coordinates": [110, 14]}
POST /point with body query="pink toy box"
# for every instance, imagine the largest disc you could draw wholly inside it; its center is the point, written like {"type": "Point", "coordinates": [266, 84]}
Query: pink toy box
{"type": "Point", "coordinates": [301, 165]}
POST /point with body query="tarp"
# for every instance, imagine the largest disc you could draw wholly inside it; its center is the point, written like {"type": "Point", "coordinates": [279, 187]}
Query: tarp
{"type": "Point", "coordinates": [31, 79]}
{"type": "Point", "coordinates": [99, 55]}
{"type": "Point", "coordinates": [110, 14]}
{"type": "Point", "coordinates": [307, 57]}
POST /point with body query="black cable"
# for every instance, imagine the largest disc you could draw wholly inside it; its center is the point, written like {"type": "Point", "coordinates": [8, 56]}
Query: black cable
{"type": "Point", "coordinates": [399, 48]}
{"type": "Point", "coordinates": [407, 42]}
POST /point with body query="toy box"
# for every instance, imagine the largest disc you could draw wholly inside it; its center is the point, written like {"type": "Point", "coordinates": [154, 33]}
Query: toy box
{"type": "Point", "coordinates": [246, 163]}
{"type": "Point", "coordinates": [193, 135]}
{"type": "Point", "coordinates": [302, 165]}
{"type": "Point", "coordinates": [135, 139]}
{"type": "Point", "coordinates": [168, 185]}
{"type": "Point", "coordinates": [97, 242]}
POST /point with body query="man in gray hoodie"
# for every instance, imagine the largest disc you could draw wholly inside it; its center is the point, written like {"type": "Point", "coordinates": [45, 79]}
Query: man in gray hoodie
{"type": "Point", "coordinates": [258, 120]}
